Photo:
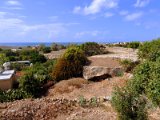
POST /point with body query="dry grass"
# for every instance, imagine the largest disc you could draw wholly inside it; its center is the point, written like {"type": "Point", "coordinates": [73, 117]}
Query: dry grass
{"type": "Point", "coordinates": [67, 86]}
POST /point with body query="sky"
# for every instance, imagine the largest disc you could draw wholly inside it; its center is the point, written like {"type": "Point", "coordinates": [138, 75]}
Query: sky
{"type": "Point", "coordinates": [79, 20]}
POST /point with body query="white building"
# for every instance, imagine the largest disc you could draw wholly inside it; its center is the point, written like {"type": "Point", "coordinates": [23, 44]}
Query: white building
{"type": "Point", "coordinates": [6, 79]}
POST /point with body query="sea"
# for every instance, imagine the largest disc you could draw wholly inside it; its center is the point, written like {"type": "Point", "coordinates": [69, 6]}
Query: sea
{"type": "Point", "coordinates": [23, 44]}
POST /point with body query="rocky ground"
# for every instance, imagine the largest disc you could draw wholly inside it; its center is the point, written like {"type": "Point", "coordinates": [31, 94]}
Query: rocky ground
{"type": "Point", "coordinates": [58, 106]}
{"type": "Point", "coordinates": [50, 109]}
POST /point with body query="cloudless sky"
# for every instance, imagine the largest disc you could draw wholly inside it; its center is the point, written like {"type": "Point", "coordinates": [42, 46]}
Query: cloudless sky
{"type": "Point", "coordinates": [79, 20]}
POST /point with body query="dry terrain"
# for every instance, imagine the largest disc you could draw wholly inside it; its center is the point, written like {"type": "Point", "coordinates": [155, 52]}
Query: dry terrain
{"type": "Point", "coordinates": [59, 103]}
{"type": "Point", "coordinates": [54, 54]}
{"type": "Point", "coordinates": [120, 53]}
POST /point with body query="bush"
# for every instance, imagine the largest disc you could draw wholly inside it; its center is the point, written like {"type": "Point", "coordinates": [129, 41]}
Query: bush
{"type": "Point", "coordinates": [128, 105]}
{"type": "Point", "coordinates": [41, 72]}
{"type": "Point", "coordinates": [50, 64]}
{"type": "Point", "coordinates": [32, 55]}
{"type": "Point", "coordinates": [11, 95]}
{"type": "Point", "coordinates": [3, 96]}
{"type": "Point", "coordinates": [17, 66]}
{"type": "Point", "coordinates": [146, 82]}
{"type": "Point", "coordinates": [128, 101]}
{"type": "Point", "coordinates": [56, 47]}
{"type": "Point", "coordinates": [3, 59]}
{"type": "Point", "coordinates": [128, 65]}
{"type": "Point", "coordinates": [82, 101]}
{"type": "Point", "coordinates": [70, 65]}
{"type": "Point", "coordinates": [134, 45]}
{"type": "Point", "coordinates": [141, 77]}
{"type": "Point", "coordinates": [92, 48]}
{"type": "Point", "coordinates": [30, 84]}
{"type": "Point", "coordinates": [150, 50]}
{"type": "Point", "coordinates": [46, 50]}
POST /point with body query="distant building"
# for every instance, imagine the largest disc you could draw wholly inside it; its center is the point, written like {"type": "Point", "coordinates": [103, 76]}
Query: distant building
{"type": "Point", "coordinates": [23, 62]}
{"type": "Point", "coordinates": [6, 79]}
{"type": "Point", "coordinates": [15, 50]}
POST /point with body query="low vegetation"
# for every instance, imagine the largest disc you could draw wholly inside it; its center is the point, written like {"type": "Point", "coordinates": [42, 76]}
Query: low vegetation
{"type": "Point", "coordinates": [150, 50]}
{"type": "Point", "coordinates": [131, 102]}
{"type": "Point", "coordinates": [56, 47]}
{"type": "Point", "coordinates": [134, 45]}
{"type": "Point", "coordinates": [92, 48]}
{"type": "Point", "coordinates": [31, 83]}
{"type": "Point", "coordinates": [70, 64]}
{"type": "Point", "coordinates": [26, 54]}
{"type": "Point", "coordinates": [128, 105]}
{"type": "Point", "coordinates": [128, 65]}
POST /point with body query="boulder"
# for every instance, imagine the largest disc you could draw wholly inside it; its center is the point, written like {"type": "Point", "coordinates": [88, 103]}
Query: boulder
{"type": "Point", "coordinates": [96, 72]}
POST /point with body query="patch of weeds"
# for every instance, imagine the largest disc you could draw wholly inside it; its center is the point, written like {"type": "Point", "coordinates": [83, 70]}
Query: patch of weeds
{"type": "Point", "coordinates": [119, 74]}
{"type": "Point", "coordinates": [82, 101]}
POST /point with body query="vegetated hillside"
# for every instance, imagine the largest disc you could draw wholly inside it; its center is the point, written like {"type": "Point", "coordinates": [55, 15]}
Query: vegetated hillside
{"type": "Point", "coordinates": [76, 98]}
{"type": "Point", "coordinates": [50, 106]}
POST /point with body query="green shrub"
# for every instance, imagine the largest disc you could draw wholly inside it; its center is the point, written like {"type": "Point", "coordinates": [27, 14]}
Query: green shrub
{"type": "Point", "coordinates": [128, 105]}
{"type": "Point", "coordinates": [94, 102]}
{"type": "Point", "coordinates": [128, 65]}
{"type": "Point", "coordinates": [119, 73]}
{"type": "Point", "coordinates": [11, 95]}
{"type": "Point", "coordinates": [56, 47]}
{"type": "Point", "coordinates": [16, 94]}
{"type": "Point", "coordinates": [134, 45]}
{"type": "Point", "coordinates": [3, 96]}
{"type": "Point", "coordinates": [147, 81]}
{"type": "Point", "coordinates": [12, 58]}
{"type": "Point", "coordinates": [141, 77]}
{"type": "Point", "coordinates": [70, 65]}
{"type": "Point", "coordinates": [150, 50]}
{"type": "Point", "coordinates": [32, 55]}
{"type": "Point", "coordinates": [46, 50]}
{"type": "Point", "coordinates": [82, 101]}
{"type": "Point", "coordinates": [128, 101]}
{"type": "Point", "coordinates": [50, 64]}
{"type": "Point", "coordinates": [41, 47]}
{"type": "Point", "coordinates": [17, 66]}
{"type": "Point", "coordinates": [92, 48]}
{"type": "Point", "coordinates": [41, 72]}
{"type": "Point", "coordinates": [30, 84]}
{"type": "Point", "coordinates": [3, 59]}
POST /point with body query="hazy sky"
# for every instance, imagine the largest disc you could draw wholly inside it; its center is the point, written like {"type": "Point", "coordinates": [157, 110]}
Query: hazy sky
{"type": "Point", "coordinates": [79, 20]}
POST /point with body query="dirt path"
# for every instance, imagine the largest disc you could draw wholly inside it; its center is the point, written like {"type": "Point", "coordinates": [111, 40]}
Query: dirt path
{"type": "Point", "coordinates": [119, 53]}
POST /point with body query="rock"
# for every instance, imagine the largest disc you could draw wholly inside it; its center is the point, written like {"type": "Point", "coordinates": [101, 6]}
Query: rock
{"type": "Point", "coordinates": [99, 72]}
{"type": "Point", "coordinates": [107, 98]}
